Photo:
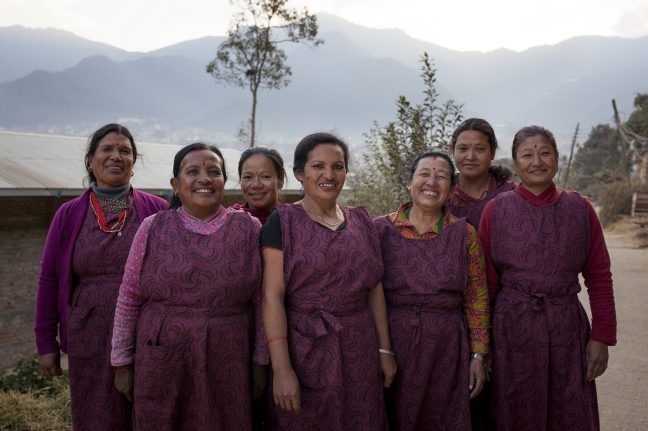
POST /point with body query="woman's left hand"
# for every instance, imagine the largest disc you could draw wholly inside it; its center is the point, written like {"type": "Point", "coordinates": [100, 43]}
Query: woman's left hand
{"type": "Point", "coordinates": [477, 377]}
{"type": "Point", "coordinates": [123, 382]}
{"type": "Point", "coordinates": [388, 368]}
{"type": "Point", "coordinates": [597, 359]}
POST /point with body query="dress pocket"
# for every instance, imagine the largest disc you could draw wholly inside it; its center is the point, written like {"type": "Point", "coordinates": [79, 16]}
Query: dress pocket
{"type": "Point", "coordinates": [163, 358]}
{"type": "Point", "coordinates": [86, 332]}
{"type": "Point", "coordinates": [310, 358]}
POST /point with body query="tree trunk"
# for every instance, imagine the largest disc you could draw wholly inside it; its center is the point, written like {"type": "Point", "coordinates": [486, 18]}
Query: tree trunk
{"type": "Point", "coordinates": [253, 119]}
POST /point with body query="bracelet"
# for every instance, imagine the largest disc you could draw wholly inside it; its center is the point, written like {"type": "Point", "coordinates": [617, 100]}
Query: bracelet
{"type": "Point", "coordinates": [272, 340]}
{"type": "Point", "coordinates": [477, 356]}
{"type": "Point", "coordinates": [387, 352]}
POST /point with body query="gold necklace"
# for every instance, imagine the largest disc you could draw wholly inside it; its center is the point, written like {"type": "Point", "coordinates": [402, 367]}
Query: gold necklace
{"type": "Point", "coordinates": [338, 214]}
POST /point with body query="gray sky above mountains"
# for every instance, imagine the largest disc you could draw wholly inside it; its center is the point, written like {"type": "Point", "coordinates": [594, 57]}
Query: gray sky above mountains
{"type": "Point", "coordinates": [144, 25]}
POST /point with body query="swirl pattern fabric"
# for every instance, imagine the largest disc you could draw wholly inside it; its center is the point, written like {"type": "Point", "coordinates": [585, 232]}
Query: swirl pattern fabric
{"type": "Point", "coordinates": [192, 356]}
{"type": "Point", "coordinates": [473, 211]}
{"type": "Point", "coordinates": [331, 333]}
{"type": "Point", "coordinates": [98, 264]}
{"type": "Point", "coordinates": [540, 329]}
{"type": "Point", "coordinates": [424, 281]}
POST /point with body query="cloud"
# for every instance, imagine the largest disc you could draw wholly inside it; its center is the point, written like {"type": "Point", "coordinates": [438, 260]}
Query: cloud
{"type": "Point", "coordinates": [633, 22]}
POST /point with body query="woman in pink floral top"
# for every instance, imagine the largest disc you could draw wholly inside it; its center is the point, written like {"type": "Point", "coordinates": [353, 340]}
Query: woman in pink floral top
{"type": "Point", "coordinates": [181, 339]}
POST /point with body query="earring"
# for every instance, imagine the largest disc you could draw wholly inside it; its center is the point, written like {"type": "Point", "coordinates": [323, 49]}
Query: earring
{"type": "Point", "coordinates": [132, 174]}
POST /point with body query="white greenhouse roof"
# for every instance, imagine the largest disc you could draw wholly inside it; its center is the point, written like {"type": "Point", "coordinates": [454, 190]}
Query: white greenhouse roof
{"type": "Point", "coordinates": [46, 165]}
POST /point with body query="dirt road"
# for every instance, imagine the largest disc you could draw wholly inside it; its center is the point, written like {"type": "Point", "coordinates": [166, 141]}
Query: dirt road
{"type": "Point", "coordinates": [623, 389]}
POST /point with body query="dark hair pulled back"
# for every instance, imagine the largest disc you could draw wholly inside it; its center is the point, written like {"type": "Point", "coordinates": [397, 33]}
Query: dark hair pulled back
{"type": "Point", "coordinates": [308, 143]}
{"type": "Point", "coordinates": [97, 136]}
{"type": "Point", "coordinates": [433, 154]}
{"type": "Point", "coordinates": [272, 155]}
{"type": "Point", "coordinates": [180, 155]}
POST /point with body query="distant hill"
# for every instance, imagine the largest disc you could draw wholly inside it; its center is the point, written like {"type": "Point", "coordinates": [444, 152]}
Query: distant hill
{"type": "Point", "coordinates": [24, 50]}
{"type": "Point", "coordinates": [202, 50]}
{"type": "Point", "coordinates": [65, 84]}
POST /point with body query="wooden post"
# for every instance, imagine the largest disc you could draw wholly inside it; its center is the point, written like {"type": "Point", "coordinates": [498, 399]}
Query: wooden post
{"type": "Point", "coordinates": [625, 145]}
{"type": "Point", "coordinates": [571, 155]}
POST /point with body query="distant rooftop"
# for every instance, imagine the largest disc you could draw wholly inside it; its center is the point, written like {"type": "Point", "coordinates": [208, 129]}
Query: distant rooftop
{"type": "Point", "coordinates": [47, 165]}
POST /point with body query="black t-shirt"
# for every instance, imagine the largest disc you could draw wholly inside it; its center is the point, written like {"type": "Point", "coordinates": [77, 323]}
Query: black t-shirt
{"type": "Point", "coordinates": [271, 231]}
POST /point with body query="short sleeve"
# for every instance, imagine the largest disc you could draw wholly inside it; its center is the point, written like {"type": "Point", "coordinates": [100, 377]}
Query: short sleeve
{"type": "Point", "coordinates": [271, 232]}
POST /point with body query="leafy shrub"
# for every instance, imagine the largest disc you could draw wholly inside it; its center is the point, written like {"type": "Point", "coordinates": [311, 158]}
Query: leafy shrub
{"type": "Point", "coordinates": [27, 377]}
{"type": "Point", "coordinates": [380, 185]}
{"type": "Point", "coordinates": [615, 199]}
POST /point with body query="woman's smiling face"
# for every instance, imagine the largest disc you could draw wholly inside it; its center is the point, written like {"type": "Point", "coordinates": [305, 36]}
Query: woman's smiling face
{"type": "Point", "coordinates": [536, 163]}
{"type": "Point", "coordinates": [431, 183]}
{"type": "Point", "coordinates": [260, 183]}
{"type": "Point", "coordinates": [200, 183]}
{"type": "Point", "coordinates": [324, 172]}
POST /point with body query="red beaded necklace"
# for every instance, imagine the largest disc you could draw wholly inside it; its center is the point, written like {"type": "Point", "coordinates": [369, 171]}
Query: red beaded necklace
{"type": "Point", "coordinates": [101, 217]}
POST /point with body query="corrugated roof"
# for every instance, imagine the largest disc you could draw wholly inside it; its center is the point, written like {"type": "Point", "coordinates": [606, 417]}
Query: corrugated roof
{"type": "Point", "coordinates": [33, 164]}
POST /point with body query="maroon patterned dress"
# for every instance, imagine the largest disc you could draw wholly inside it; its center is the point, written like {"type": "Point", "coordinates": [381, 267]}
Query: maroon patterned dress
{"type": "Point", "coordinates": [461, 205]}
{"type": "Point", "coordinates": [540, 329]}
{"type": "Point", "coordinates": [424, 283]}
{"type": "Point", "coordinates": [98, 264]}
{"type": "Point", "coordinates": [331, 333]}
{"type": "Point", "coordinates": [192, 357]}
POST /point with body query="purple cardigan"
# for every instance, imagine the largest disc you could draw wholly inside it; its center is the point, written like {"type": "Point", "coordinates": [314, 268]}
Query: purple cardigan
{"type": "Point", "coordinates": [56, 277]}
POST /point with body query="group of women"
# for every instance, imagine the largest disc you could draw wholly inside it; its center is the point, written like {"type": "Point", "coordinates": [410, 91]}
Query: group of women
{"type": "Point", "coordinates": [198, 313]}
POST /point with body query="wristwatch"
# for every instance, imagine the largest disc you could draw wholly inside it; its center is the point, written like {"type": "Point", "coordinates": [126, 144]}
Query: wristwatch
{"type": "Point", "coordinates": [477, 356]}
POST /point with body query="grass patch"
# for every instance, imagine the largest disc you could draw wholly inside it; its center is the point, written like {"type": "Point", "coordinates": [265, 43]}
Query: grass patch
{"type": "Point", "coordinates": [33, 411]}
{"type": "Point", "coordinates": [31, 401]}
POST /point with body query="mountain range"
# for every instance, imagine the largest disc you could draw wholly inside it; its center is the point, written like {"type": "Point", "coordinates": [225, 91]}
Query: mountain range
{"type": "Point", "coordinates": [52, 81]}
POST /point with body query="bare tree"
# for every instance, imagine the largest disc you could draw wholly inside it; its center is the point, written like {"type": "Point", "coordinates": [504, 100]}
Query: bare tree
{"type": "Point", "coordinates": [251, 56]}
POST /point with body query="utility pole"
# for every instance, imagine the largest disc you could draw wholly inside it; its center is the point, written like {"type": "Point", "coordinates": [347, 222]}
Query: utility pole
{"type": "Point", "coordinates": [625, 145]}
{"type": "Point", "coordinates": [571, 155]}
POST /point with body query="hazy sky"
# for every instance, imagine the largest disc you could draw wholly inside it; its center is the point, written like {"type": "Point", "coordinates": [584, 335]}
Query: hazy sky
{"type": "Point", "coordinates": [143, 25]}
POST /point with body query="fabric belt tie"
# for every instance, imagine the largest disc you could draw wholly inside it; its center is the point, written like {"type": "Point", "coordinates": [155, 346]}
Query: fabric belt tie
{"type": "Point", "coordinates": [415, 319]}
{"type": "Point", "coordinates": [539, 301]}
{"type": "Point", "coordinates": [417, 310]}
{"type": "Point", "coordinates": [321, 319]}
{"type": "Point", "coordinates": [207, 312]}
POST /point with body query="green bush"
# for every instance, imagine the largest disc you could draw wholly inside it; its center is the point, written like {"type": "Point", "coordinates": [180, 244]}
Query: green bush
{"type": "Point", "coordinates": [615, 199]}
{"type": "Point", "coordinates": [27, 377]}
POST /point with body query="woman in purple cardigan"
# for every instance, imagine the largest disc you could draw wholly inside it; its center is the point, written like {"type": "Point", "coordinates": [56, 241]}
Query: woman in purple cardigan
{"type": "Point", "coordinates": [83, 262]}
